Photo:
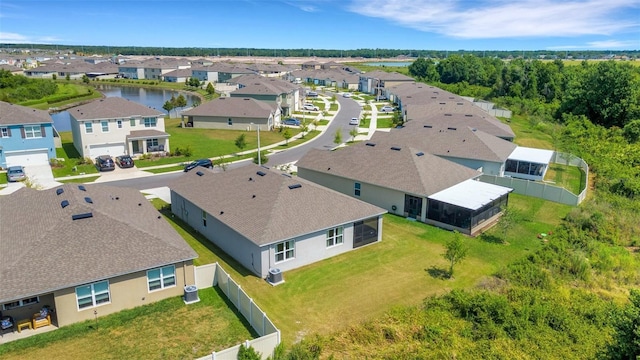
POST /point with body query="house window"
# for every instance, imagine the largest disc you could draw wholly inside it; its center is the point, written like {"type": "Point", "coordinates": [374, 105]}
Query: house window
{"type": "Point", "coordinates": [149, 122]}
{"type": "Point", "coordinates": [334, 236]}
{"type": "Point", "coordinates": [285, 250]}
{"type": "Point", "coordinates": [152, 144]}
{"type": "Point", "coordinates": [119, 123]}
{"type": "Point", "coordinates": [132, 122]}
{"type": "Point", "coordinates": [161, 278]}
{"type": "Point", "coordinates": [105, 126]}
{"type": "Point", "coordinates": [32, 132]}
{"type": "Point", "coordinates": [20, 303]}
{"type": "Point", "coordinates": [93, 294]}
{"type": "Point", "coordinates": [204, 218]}
{"type": "Point", "coordinates": [88, 128]}
{"type": "Point", "coordinates": [356, 189]}
{"type": "Point", "coordinates": [229, 122]}
{"type": "Point", "coordinates": [4, 132]}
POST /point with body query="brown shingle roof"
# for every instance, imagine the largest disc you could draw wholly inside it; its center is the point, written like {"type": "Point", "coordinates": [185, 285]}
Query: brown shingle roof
{"type": "Point", "coordinates": [11, 114]}
{"type": "Point", "coordinates": [126, 234]}
{"type": "Point", "coordinates": [402, 169]}
{"type": "Point", "coordinates": [111, 108]}
{"type": "Point", "coordinates": [263, 208]}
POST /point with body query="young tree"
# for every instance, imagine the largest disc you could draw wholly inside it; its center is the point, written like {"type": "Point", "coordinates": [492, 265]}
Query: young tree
{"type": "Point", "coordinates": [67, 77]}
{"type": "Point", "coordinates": [315, 123]}
{"type": "Point", "coordinates": [168, 106]}
{"type": "Point", "coordinates": [210, 89]}
{"type": "Point", "coordinates": [248, 353]}
{"type": "Point", "coordinates": [337, 137]}
{"type": "Point", "coordinates": [181, 101]}
{"type": "Point", "coordinates": [353, 132]}
{"type": "Point", "coordinates": [287, 135]}
{"type": "Point", "coordinates": [263, 158]}
{"type": "Point", "coordinates": [304, 128]}
{"type": "Point", "coordinates": [509, 219]}
{"type": "Point", "coordinates": [85, 79]}
{"type": "Point", "coordinates": [241, 142]}
{"type": "Point", "coordinates": [456, 251]}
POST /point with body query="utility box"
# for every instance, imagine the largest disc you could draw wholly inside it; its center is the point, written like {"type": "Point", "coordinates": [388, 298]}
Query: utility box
{"type": "Point", "coordinates": [275, 276]}
{"type": "Point", "coordinates": [191, 294]}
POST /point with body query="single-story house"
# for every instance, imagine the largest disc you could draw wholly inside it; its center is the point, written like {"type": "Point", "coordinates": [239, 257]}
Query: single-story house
{"type": "Point", "coordinates": [409, 184]}
{"type": "Point", "coordinates": [26, 136]}
{"type": "Point", "coordinates": [87, 250]}
{"type": "Point", "coordinates": [275, 92]}
{"type": "Point", "coordinates": [268, 220]}
{"type": "Point", "coordinates": [232, 113]}
{"type": "Point", "coordinates": [116, 126]}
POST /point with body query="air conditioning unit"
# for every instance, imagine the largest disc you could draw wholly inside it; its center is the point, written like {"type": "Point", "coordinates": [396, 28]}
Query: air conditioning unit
{"type": "Point", "coordinates": [191, 294]}
{"type": "Point", "coordinates": [275, 276]}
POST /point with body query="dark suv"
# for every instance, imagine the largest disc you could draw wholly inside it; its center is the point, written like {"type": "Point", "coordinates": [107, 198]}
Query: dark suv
{"type": "Point", "coordinates": [105, 163]}
{"type": "Point", "coordinates": [200, 162]}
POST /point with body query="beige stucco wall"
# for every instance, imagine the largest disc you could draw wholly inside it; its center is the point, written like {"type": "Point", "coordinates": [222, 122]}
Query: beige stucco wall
{"type": "Point", "coordinates": [127, 291]}
{"type": "Point", "coordinates": [82, 141]}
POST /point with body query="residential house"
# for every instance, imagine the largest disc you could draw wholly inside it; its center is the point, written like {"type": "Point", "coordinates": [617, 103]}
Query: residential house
{"type": "Point", "coordinates": [232, 113]}
{"type": "Point", "coordinates": [177, 76]}
{"type": "Point", "coordinates": [267, 220]}
{"type": "Point", "coordinates": [87, 251]}
{"type": "Point", "coordinates": [26, 136]}
{"type": "Point", "coordinates": [376, 82]}
{"type": "Point", "coordinates": [311, 65]}
{"type": "Point", "coordinates": [412, 183]}
{"type": "Point", "coordinates": [219, 72]}
{"type": "Point", "coordinates": [115, 126]}
{"type": "Point", "coordinates": [156, 69]}
{"type": "Point", "coordinates": [275, 92]}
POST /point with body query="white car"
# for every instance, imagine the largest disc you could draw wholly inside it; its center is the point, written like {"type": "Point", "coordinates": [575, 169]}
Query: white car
{"type": "Point", "coordinates": [387, 108]}
{"type": "Point", "coordinates": [310, 107]}
{"type": "Point", "coordinates": [354, 121]}
{"type": "Point", "coordinates": [347, 95]}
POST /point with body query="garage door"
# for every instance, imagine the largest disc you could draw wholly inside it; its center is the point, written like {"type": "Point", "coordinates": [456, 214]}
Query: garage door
{"type": "Point", "coordinates": [27, 157]}
{"type": "Point", "coordinates": [109, 149]}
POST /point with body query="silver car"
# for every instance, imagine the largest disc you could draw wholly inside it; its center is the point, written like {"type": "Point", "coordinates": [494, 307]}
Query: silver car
{"type": "Point", "coordinates": [15, 173]}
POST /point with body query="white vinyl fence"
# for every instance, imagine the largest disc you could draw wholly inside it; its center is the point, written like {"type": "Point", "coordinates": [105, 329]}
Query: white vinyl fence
{"type": "Point", "coordinates": [213, 275]}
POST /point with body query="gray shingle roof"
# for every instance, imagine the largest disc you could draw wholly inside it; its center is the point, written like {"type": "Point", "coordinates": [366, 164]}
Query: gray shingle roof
{"type": "Point", "coordinates": [11, 114]}
{"type": "Point", "coordinates": [263, 208]}
{"type": "Point", "coordinates": [475, 119]}
{"type": "Point", "coordinates": [111, 108]}
{"type": "Point", "coordinates": [232, 106]}
{"type": "Point", "coordinates": [459, 142]}
{"type": "Point", "coordinates": [42, 249]}
{"type": "Point", "coordinates": [402, 170]}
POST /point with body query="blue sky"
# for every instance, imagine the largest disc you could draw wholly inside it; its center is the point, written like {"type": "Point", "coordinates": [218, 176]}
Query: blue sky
{"type": "Point", "coordinates": [328, 24]}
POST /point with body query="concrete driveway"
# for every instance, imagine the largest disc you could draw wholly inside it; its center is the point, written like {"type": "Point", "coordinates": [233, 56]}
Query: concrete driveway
{"type": "Point", "coordinates": [40, 176]}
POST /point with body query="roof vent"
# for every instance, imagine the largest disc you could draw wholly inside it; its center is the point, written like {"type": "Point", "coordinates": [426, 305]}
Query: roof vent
{"type": "Point", "coordinates": [295, 186]}
{"type": "Point", "coordinates": [427, 126]}
{"type": "Point", "coordinates": [473, 129]}
{"type": "Point", "coordinates": [451, 128]}
{"type": "Point", "coordinates": [250, 179]}
{"type": "Point", "coordinates": [434, 97]}
{"type": "Point", "coordinates": [221, 212]}
{"type": "Point", "coordinates": [447, 114]}
{"type": "Point", "coordinates": [370, 144]}
{"type": "Point", "coordinates": [59, 191]}
{"type": "Point", "coordinates": [81, 216]}
{"type": "Point", "coordinates": [64, 203]}
{"type": "Point", "coordinates": [395, 148]}
{"type": "Point", "coordinates": [253, 196]}
{"type": "Point", "coordinates": [286, 175]}
{"type": "Point", "coordinates": [199, 173]}
{"type": "Point", "coordinates": [460, 103]}
{"type": "Point", "coordinates": [261, 173]}
{"type": "Point", "coordinates": [81, 187]}
{"type": "Point", "coordinates": [468, 115]}
{"type": "Point", "coordinates": [88, 200]}
{"type": "Point", "coordinates": [451, 97]}
{"type": "Point", "coordinates": [420, 153]}
{"type": "Point", "coordinates": [443, 103]}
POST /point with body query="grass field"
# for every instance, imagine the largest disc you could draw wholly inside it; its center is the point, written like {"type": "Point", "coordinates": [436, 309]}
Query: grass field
{"type": "Point", "coordinates": [167, 329]}
{"type": "Point", "coordinates": [71, 159]}
{"type": "Point", "coordinates": [404, 268]}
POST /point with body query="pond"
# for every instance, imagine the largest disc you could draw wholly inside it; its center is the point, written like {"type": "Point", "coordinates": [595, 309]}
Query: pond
{"type": "Point", "coordinates": [153, 98]}
{"type": "Point", "coordinates": [389, 63]}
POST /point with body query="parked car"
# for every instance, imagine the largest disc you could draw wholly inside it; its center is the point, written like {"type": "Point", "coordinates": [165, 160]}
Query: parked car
{"type": "Point", "coordinates": [347, 95]}
{"type": "Point", "coordinates": [310, 107]}
{"type": "Point", "coordinates": [105, 163]}
{"type": "Point", "coordinates": [200, 162]}
{"type": "Point", "coordinates": [292, 121]}
{"type": "Point", "coordinates": [15, 173]}
{"type": "Point", "coordinates": [312, 94]}
{"type": "Point", "coordinates": [382, 97]}
{"type": "Point", "coordinates": [387, 108]}
{"type": "Point", "coordinates": [124, 161]}
{"type": "Point", "coordinates": [354, 121]}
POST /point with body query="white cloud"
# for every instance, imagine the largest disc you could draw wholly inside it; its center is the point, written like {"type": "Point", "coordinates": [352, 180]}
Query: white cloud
{"type": "Point", "coordinates": [505, 19]}
{"type": "Point", "coordinates": [14, 38]}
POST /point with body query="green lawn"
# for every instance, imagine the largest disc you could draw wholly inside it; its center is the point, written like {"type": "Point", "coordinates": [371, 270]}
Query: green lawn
{"type": "Point", "coordinates": [384, 122]}
{"type": "Point", "coordinates": [402, 269]}
{"type": "Point", "coordinates": [167, 329]}
{"type": "Point", "coordinates": [571, 178]}
{"type": "Point", "coordinates": [68, 93]}
{"type": "Point", "coordinates": [72, 159]}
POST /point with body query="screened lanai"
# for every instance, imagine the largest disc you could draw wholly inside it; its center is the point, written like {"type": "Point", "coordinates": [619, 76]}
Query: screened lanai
{"type": "Point", "coordinates": [528, 163]}
{"type": "Point", "coordinates": [467, 206]}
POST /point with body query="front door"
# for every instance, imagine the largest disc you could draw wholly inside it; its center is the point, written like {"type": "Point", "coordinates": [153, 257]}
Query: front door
{"type": "Point", "coordinates": [136, 146]}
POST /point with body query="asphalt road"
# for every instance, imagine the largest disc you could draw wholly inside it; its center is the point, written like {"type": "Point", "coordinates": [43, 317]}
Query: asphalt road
{"type": "Point", "coordinates": [348, 109]}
